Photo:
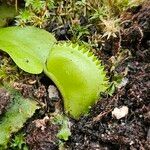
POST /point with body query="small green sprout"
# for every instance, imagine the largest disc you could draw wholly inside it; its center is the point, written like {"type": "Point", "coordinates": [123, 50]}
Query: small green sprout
{"type": "Point", "coordinates": [18, 142]}
{"type": "Point", "coordinates": [63, 122]}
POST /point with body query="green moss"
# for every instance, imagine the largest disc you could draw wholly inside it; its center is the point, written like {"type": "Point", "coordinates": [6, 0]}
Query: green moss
{"type": "Point", "coordinates": [19, 111]}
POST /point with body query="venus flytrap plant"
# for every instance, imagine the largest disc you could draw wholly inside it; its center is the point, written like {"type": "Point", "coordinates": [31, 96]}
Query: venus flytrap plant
{"type": "Point", "coordinates": [77, 73]}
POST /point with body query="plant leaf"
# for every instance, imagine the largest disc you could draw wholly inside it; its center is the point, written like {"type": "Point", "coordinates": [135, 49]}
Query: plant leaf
{"type": "Point", "coordinates": [79, 76]}
{"type": "Point", "coordinates": [28, 47]}
{"type": "Point", "coordinates": [18, 112]}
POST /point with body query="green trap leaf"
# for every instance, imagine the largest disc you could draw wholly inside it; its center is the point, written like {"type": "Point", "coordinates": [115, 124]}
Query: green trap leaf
{"type": "Point", "coordinates": [28, 47]}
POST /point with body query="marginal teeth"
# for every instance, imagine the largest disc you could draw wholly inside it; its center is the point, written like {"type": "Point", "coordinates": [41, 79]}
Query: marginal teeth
{"type": "Point", "coordinates": [90, 54]}
{"type": "Point", "coordinates": [64, 44]}
{"type": "Point", "coordinates": [102, 68]}
{"type": "Point", "coordinates": [81, 47]}
{"type": "Point", "coordinates": [77, 47]}
{"type": "Point", "coordinates": [74, 45]}
{"type": "Point", "coordinates": [92, 57]}
{"type": "Point", "coordinates": [86, 52]}
{"type": "Point", "coordinates": [97, 62]}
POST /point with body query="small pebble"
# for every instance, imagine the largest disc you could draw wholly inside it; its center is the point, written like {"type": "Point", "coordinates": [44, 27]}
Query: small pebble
{"type": "Point", "coordinates": [131, 143]}
{"type": "Point", "coordinates": [119, 113]}
{"type": "Point", "coordinates": [53, 92]}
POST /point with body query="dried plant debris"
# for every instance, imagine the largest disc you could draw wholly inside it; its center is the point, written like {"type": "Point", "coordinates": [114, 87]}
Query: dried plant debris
{"type": "Point", "coordinates": [16, 115]}
{"type": "Point", "coordinates": [41, 135]}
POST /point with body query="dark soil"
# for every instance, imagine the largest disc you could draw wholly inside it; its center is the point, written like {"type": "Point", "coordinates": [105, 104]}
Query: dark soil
{"type": "Point", "coordinates": [42, 139]}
